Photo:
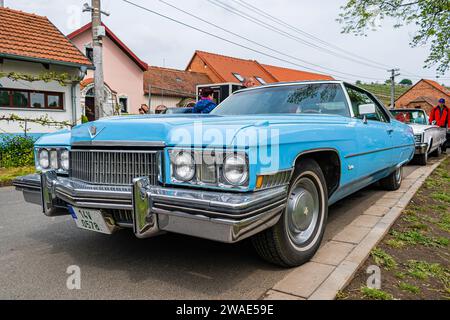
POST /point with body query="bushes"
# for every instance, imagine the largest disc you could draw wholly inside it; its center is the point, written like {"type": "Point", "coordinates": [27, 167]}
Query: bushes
{"type": "Point", "coordinates": [16, 151]}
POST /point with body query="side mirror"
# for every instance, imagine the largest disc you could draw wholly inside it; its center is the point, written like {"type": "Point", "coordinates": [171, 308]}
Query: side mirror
{"type": "Point", "coordinates": [366, 109]}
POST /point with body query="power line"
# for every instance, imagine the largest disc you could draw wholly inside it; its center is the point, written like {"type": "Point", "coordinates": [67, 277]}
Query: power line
{"type": "Point", "coordinates": [225, 39]}
{"type": "Point", "coordinates": [311, 36]}
{"type": "Point", "coordinates": [257, 43]}
{"type": "Point", "coordinates": [266, 25]}
{"type": "Point", "coordinates": [304, 33]}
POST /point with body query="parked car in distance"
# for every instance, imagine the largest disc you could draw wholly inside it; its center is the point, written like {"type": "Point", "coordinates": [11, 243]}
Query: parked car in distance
{"type": "Point", "coordinates": [265, 164]}
{"type": "Point", "coordinates": [430, 139]}
{"type": "Point", "coordinates": [178, 110]}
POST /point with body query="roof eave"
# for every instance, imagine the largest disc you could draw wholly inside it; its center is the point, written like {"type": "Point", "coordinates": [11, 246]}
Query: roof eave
{"type": "Point", "coordinates": [41, 60]}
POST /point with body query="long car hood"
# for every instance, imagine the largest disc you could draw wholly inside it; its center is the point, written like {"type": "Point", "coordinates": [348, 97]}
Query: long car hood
{"type": "Point", "coordinates": [420, 128]}
{"type": "Point", "coordinates": [196, 130]}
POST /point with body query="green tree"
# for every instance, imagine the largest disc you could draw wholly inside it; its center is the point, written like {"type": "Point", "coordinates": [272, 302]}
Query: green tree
{"type": "Point", "coordinates": [431, 18]}
{"type": "Point", "coordinates": [406, 82]}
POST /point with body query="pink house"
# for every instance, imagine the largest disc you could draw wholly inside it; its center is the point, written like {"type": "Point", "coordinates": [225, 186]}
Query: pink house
{"type": "Point", "coordinates": [123, 73]}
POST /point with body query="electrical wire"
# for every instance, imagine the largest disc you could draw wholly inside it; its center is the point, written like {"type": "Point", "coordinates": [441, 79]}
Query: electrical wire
{"type": "Point", "coordinates": [256, 43]}
{"type": "Point", "coordinates": [277, 30]}
{"type": "Point", "coordinates": [230, 41]}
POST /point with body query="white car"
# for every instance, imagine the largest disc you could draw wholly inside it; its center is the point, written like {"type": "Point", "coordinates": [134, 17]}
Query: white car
{"type": "Point", "coordinates": [430, 139]}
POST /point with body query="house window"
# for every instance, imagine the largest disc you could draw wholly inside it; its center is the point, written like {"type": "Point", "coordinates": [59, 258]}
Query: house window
{"type": "Point", "coordinates": [123, 102]}
{"type": "Point", "coordinates": [261, 80]}
{"type": "Point", "coordinates": [238, 76]}
{"type": "Point", "coordinates": [90, 53]}
{"type": "Point", "coordinates": [13, 98]}
{"type": "Point", "coordinates": [37, 99]}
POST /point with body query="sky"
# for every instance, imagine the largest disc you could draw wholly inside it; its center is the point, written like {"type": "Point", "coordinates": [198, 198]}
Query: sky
{"type": "Point", "coordinates": [165, 43]}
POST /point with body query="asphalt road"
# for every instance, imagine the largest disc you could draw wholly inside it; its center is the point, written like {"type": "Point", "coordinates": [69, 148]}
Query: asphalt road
{"type": "Point", "coordinates": [35, 252]}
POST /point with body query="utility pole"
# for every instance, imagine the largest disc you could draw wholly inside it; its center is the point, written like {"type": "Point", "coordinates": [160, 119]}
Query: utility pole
{"type": "Point", "coordinates": [97, 46]}
{"type": "Point", "coordinates": [98, 32]}
{"type": "Point", "coordinates": [393, 75]}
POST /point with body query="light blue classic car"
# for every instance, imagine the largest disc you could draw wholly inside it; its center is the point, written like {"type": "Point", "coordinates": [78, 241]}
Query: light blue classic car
{"type": "Point", "coordinates": [266, 164]}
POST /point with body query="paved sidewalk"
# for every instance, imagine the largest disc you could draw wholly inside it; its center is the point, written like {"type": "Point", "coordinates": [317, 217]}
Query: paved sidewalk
{"type": "Point", "coordinates": [336, 262]}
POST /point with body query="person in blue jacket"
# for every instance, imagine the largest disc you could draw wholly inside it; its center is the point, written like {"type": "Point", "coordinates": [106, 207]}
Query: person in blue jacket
{"type": "Point", "coordinates": [206, 103]}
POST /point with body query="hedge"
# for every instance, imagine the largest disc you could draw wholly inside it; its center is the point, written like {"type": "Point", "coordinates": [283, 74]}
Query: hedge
{"type": "Point", "coordinates": [16, 151]}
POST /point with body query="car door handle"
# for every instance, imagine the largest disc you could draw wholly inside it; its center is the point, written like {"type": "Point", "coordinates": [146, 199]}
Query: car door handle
{"type": "Point", "coordinates": [390, 131]}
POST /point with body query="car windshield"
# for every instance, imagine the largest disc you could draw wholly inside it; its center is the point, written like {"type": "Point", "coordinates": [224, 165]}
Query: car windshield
{"type": "Point", "coordinates": [324, 98]}
{"type": "Point", "coordinates": [410, 116]}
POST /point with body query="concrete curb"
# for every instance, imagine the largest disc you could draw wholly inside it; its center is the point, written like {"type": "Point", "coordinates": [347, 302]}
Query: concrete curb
{"type": "Point", "coordinates": [338, 260]}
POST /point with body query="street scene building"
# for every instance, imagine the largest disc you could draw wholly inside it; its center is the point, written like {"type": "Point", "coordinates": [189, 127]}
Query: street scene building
{"type": "Point", "coordinates": [425, 95]}
{"type": "Point", "coordinates": [171, 87]}
{"type": "Point", "coordinates": [123, 73]}
{"type": "Point", "coordinates": [40, 71]}
{"type": "Point", "coordinates": [224, 69]}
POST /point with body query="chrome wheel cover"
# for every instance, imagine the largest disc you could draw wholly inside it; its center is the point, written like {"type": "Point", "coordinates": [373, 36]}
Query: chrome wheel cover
{"type": "Point", "coordinates": [399, 175]}
{"type": "Point", "coordinates": [302, 211]}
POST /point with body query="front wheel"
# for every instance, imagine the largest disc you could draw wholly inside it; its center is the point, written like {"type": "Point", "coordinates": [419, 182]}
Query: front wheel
{"type": "Point", "coordinates": [422, 159]}
{"type": "Point", "coordinates": [437, 152]}
{"type": "Point", "coordinates": [296, 237]}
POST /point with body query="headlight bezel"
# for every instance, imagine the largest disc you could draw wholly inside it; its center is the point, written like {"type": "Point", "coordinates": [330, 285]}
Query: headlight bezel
{"type": "Point", "coordinates": [244, 163]}
{"type": "Point", "coordinates": [56, 152]}
{"type": "Point", "coordinates": [178, 162]}
{"type": "Point", "coordinates": [209, 173]}
{"type": "Point", "coordinates": [39, 164]}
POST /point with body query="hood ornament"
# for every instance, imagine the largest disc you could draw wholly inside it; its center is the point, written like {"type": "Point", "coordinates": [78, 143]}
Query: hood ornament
{"type": "Point", "coordinates": [93, 131]}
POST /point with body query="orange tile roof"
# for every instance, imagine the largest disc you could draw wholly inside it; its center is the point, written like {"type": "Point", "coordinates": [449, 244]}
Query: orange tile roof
{"type": "Point", "coordinates": [224, 66]}
{"type": "Point", "coordinates": [25, 35]}
{"type": "Point", "coordinates": [173, 82]}
{"type": "Point", "coordinates": [437, 86]}
{"type": "Point", "coordinates": [286, 74]}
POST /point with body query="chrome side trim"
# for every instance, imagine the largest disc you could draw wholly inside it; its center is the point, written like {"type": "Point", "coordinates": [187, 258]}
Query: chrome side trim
{"type": "Point", "coordinates": [124, 143]}
{"type": "Point", "coordinates": [377, 150]}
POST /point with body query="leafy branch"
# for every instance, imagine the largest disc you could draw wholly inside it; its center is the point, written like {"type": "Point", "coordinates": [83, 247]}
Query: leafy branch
{"type": "Point", "coordinates": [430, 17]}
{"type": "Point", "coordinates": [62, 78]}
{"type": "Point", "coordinates": [44, 120]}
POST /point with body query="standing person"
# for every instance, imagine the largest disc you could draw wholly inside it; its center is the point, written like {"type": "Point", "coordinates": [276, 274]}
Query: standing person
{"type": "Point", "coordinates": [440, 116]}
{"type": "Point", "coordinates": [206, 103]}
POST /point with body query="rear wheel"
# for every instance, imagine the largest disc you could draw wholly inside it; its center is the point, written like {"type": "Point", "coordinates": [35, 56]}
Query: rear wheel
{"type": "Point", "coordinates": [297, 235]}
{"type": "Point", "coordinates": [393, 181]}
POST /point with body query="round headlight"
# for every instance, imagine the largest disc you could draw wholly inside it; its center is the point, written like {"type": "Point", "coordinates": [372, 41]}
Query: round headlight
{"type": "Point", "coordinates": [235, 170]}
{"type": "Point", "coordinates": [64, 160]}
{"type": "Point", "coordinates": [44, 159]}
{"type": "Point", "coordinates": [183, 166]}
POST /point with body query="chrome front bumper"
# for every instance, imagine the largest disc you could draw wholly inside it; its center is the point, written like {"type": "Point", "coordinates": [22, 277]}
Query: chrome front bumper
{"type": "Point", "coordinates": [219, 216]}
{"type": "Point", "coordinates": [421, 148]}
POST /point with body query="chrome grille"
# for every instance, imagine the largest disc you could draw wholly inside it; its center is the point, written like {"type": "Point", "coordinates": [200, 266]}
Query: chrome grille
{"type": "Point", "coordinates": [113, 167]}
{"type": "Point", "coordinates": [418, 138]}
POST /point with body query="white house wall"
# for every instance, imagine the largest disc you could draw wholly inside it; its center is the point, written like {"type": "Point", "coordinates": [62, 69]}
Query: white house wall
{"type": "Point", "coordinates": [57, 115]}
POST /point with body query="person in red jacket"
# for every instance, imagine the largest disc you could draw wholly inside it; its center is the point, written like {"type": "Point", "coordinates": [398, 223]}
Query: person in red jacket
{"type": "Point", "coordinates": [440, 116]}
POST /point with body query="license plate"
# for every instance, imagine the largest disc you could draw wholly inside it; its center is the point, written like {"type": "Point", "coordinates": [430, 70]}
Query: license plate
{"type": "Point", "coordinates": [90, 219]}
